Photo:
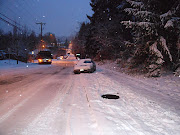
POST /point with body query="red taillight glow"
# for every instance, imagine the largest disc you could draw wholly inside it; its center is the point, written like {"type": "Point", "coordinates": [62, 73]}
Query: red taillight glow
{"type": "Point", "coordinates": [40, 60]}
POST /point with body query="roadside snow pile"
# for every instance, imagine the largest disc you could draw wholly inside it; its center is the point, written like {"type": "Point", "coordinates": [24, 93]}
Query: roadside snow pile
{"type": "Point", "coordinates": [9, 64]}
{"type": "Point", "coordinates": [117, 66]}
{"type": "Point", "coordinates": [5, 64]}
{"type": "Point", "coordinates": [109, 65]}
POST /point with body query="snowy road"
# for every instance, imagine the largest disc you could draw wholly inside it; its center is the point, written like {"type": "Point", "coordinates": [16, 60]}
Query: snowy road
{"type": "Point", "coordinates": [53, 101]}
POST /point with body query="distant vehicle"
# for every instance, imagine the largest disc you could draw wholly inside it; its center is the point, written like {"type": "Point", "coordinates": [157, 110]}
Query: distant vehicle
{"type": "Point", "coordinates": [44, 57]}
{"type": "Point", "coordinates": [85, 65]}
{"type": "Point", "coordinates": [61, 52]}
{"type": "Point", "coordinates": [60, 58]}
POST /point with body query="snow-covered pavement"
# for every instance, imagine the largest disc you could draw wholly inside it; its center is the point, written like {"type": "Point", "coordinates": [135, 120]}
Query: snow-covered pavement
{"type": "Point", "coordinates": [54, 101]}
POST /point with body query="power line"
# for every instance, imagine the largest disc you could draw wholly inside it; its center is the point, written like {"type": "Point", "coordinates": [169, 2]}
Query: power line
{"type": "Point", "coordinates": [10, 19]}
{"type": "Point", "coordinates": [19, 25]}
{"type": "Point", "coordinates": [27, 12]}
{"type": "Point", "coordinates": [10, 23]}
{"type": "Point", "coordinates": [22, 16]}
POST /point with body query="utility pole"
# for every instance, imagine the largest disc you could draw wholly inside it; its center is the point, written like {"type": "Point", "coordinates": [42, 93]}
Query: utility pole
{"type": "Point", "coordinates": [41, 31]}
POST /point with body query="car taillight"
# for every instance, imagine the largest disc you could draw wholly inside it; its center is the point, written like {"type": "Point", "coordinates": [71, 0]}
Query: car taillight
{"type": "Point", "coordinates": [49, 60]}
{"type": "Point", "coordinates": [40, 60]}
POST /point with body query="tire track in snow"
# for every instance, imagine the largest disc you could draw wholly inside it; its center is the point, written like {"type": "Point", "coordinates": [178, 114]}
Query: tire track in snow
{"type": "Point", "coordinates": [94, 117]}
{"type": "Point", "coordinates": [16, 107]}
{"type": "Point", "coordinates": [23, 86]}
{"type": "Point", "coordinates": [81, 117]}
{"type": "Point", "coordinates": [110, 109]}
{"type": "Point", "coordinates": [48, 121]}
{"type": "Point", "coordinates": [92, 112]}
{"type": "Point", "coordinates": [27, 109]}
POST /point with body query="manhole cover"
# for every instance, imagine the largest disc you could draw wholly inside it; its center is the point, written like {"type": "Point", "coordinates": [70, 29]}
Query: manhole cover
{"type": "Point", "coordinates": [110, 96]}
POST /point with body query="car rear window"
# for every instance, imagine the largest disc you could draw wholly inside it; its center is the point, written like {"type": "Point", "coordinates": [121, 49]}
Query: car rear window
{"type": "Point", "coordinates": [87, 61]}
{"type": "Point", "coordinates": [44, 54]}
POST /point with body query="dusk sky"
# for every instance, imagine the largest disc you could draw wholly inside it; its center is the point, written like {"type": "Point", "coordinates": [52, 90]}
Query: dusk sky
{"type": "Point", "coordinates": [62, 17]}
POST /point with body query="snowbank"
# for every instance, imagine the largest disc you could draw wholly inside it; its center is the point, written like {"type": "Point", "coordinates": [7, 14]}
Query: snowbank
{"type": "Point", "coordinates": [10, 66]}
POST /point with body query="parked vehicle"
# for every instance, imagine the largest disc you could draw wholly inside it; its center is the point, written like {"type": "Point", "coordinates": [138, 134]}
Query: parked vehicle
{"type": "Point", "coordinates": [44, 57]}
{"type": "Point", "coordinates": [85, 65]}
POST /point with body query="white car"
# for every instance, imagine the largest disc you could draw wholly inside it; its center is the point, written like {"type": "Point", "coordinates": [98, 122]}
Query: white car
{"type": "Point", "coordinates": [85, 65]}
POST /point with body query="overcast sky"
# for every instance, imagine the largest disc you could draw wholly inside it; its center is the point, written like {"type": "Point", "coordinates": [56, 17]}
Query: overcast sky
{"type": "Point", "coordinates": [62, 17]}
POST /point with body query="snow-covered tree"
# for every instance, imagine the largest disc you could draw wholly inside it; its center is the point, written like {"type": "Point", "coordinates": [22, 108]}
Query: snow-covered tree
{"type": "Point", "coordinates": [106, 29]}
{"type": "Point", "coordinates": [148, 29]}
{"type": "Point", "coordinates": [171, 24]}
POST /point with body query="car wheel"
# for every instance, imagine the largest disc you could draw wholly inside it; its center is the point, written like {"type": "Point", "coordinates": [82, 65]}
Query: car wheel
{"type": "Point", "coordinates": [91, 71]}
{"type": "Point", "coordinates": [76, 72]}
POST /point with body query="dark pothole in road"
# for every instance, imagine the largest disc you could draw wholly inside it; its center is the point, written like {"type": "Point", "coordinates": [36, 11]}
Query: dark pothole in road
{"type": "Point", "coordinates": [110, 96]}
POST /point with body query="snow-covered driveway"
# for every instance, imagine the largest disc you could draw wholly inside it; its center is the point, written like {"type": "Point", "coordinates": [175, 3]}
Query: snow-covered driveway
{"type": "Point", "coordinates": [57, 102]}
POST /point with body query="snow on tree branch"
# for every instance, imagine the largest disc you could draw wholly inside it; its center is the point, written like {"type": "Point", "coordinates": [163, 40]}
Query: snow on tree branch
{"type": "Point", "coordinates": [144, 15]}
{"type": "Point", "coordinates": [135, 4]}
{"type": "Point", "coordinates": [143, 25]}
{"type": "Point", "coordinates": [170, 23]}
{"type": "Point", "coordinates": [165, 48]}
{"type": "Point", "coordinates": [165, 16]}
{"type": "Point", "coordinates": [129, 24]}
{"type": "Point", "coordinates": [154, 67]}
{"type": "Point", "coordinates": [154, 50]}
{"type": "Point", "coordinates": [131, 11]}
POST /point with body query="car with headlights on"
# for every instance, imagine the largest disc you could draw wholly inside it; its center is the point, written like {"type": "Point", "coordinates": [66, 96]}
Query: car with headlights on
{"type": "Point", "coordinates": [44, 57]}
{"type": "Point", "coordinates": [60, 57]}
{"type": "Point", "coordinates": [85, 65]}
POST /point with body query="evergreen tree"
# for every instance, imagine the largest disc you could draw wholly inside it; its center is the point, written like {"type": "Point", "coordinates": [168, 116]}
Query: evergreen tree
{"type": "Point", "coordinates": [148, 29]}
{"type": "Point", "coordinates": [106, 31]}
